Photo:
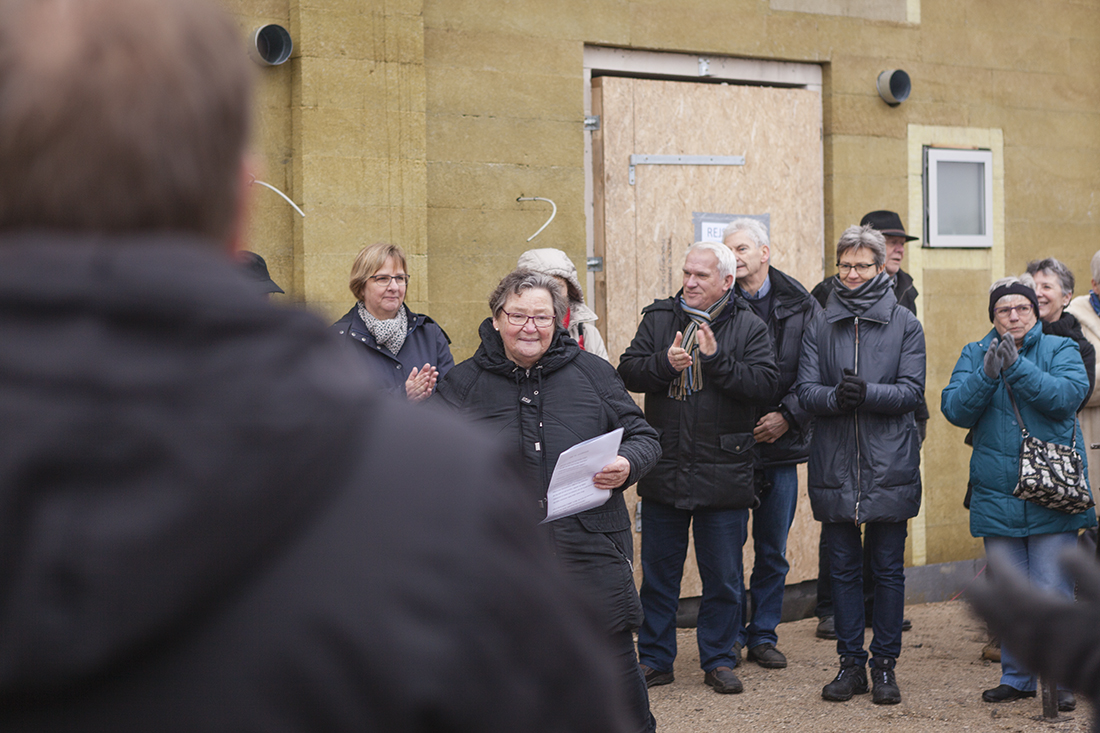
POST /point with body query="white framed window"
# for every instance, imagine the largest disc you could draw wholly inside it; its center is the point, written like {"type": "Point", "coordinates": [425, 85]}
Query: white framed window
{"type": "Point", "coordinates": [958, 197]}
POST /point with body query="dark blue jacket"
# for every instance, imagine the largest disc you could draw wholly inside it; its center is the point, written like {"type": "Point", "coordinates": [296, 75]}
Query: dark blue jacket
{"type": "Point", "coordinates": [792, 310]}
{"type": "Point", "coordinates": [864, 465]}
{"type": "Point", "coordinates": [426, 343]}
{"type": "Point", "coordinates": [1048, 381]}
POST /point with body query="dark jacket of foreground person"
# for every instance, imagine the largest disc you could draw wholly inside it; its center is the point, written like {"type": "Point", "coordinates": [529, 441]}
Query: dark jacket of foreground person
{"type": "Point", "coordinates": [211, 522]}
{"type": "Point", "coordinates": [707, 460]}
{"type": "Point", "coordinates": [568, 397]}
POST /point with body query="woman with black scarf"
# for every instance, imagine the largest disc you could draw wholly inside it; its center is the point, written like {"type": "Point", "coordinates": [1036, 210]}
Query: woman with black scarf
{"type": "Point", "coordinates": [862, 375]}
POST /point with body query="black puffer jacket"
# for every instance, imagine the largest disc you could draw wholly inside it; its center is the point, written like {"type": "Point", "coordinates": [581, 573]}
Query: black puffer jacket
{"type": "Point", "coordinates": [568, 397]}
{"type": "Point", "coordinates": [864, 465]}
{"type": "Point", "coordinates": [1069, 327]}
{"type": "Point", "coordinates": [792, 310]}
{"type": "Point", "coordinates": [210, 522]}
{"type": "Point", "coordinates": [425, 343]}
{"type": "Point", "coordinates": [707, 460]}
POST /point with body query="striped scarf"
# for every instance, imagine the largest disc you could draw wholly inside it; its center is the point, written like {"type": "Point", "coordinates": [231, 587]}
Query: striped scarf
{"type": "Point", "coordinates": [691, 379]}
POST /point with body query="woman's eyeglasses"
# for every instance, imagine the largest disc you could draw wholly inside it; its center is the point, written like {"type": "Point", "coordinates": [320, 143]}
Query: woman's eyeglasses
{"type": "Point", "coordinates": [1021, 310]}
{"type": "Point", "coordinates": [861, 267]}
{"type": "Point", "coordinates": [521, 319]}
{"type": "Point", "coordinates": [385, 280]}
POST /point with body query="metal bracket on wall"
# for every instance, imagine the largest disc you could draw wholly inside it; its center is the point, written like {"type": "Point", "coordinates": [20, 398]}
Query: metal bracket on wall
{"type": "Point", "coordinates": [683, 160]}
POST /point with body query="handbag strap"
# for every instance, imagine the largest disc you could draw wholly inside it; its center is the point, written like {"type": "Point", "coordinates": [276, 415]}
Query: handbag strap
{"type": "Point", "coordinates": [1020, 419]}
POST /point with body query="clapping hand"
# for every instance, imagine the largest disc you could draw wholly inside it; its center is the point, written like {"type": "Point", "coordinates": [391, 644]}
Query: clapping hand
{"type": "Point", "coordinates": [678, 357]}
{"type": "Point", "coordinates": [421, 383]}
{"type": "Point", "coordinates": [993, 363]}
{"type": "Point", "coordinates": [1007, 351]}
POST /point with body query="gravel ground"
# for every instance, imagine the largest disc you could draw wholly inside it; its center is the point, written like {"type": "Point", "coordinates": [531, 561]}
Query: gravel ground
{"type": "Point", "coordinates": [940, 673]}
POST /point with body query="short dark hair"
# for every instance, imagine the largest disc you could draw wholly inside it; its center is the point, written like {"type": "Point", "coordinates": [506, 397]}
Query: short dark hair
{"type": "Point", "coordinates": [121, 115]}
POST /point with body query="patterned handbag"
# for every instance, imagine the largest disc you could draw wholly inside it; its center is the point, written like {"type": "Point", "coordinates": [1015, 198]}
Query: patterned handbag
{"type": "Point", "coordinates": [1051, 475]}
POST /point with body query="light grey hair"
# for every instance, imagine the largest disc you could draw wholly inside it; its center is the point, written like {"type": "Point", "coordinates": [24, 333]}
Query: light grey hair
{"type": "Point", "coordinates": [727, 263]}
{"type": "Point", "coordinates": [1026, 279]}
{"type": "Point", "coordinates": [863, 237]}
{"type": "Point", "coordinates": [1094, 265]}
{"type": "Point", "coordinates": [1007, 281]}
{"type": "Point", "coordinates": [1056, 268]}
{"type": "Point", "coordinates": [517, 281]}
{"type": "Point", "coordinates": [756, 231]}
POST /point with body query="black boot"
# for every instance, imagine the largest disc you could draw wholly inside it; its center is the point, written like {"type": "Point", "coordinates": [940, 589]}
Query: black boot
{"type": "Point", "coordinates": [884, 687]}
{"type": "Point", "coordinates": [850, 680]}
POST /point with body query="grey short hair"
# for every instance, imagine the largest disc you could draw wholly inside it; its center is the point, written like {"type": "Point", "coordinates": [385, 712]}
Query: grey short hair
{"type": "Point", "coordinates": [516, 281]}
{"type": "Point", "coordinates": [727, 263]}
{"type": "Point", "coordinates": [1052, 266]}
{"type": "Point", "coordinates": [863, 237]}
{"type": "Point", "coordinates": [1094, 265]}
{"type": "Point", "coordinates": [756, 231]}
{"type": "Point", "coordinates": [1007, 281]}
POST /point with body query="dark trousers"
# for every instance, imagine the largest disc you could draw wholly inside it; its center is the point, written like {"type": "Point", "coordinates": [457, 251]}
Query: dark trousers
{"type": "Point", "coordinates": [884, 543]}
{"type": "Point", "coordinates": [824, 605]}
{"type": "Point", "coordinates": [633, 682]}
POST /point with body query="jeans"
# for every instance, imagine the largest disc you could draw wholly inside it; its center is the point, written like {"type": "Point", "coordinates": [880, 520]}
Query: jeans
{"type": "Point", "coordinates": [885, 543]}
{"type": "Point", "coordinates": [1036, 557]}
{"type": "Point", "coordinates": [824, 605]}
{"type": "Point", "coordinates": [633, 682]}
{"type": "Point", "coordinates": [719, 536]}
{"type": "Point", "coordinates": [771, 523]}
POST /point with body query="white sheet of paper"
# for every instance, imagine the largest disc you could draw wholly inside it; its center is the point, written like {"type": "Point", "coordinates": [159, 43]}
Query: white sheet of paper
{"type": "Point", "coordinates": [571, 487]}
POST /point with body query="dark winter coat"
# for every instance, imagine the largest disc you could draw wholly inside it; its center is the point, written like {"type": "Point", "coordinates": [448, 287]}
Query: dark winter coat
{"type": "Point", "coordinates": [864, 465]}
{"type": "Point", "coordinates": [707, 460]}
{"type": "Point", "coordinates": [1069, 327]}
{"type": "Point", "coordinates": [210, 522]}
{"type": "Point", "coordinates": [426, 343]}
{"type": "Point", "coordinates": [792, 310]}
{"type": "Point", "coordinates": [1048, 381]}
{"type": "Point", "coordinates": [567, 397]}
{"type": "Point", "coordinates": [905, 292]}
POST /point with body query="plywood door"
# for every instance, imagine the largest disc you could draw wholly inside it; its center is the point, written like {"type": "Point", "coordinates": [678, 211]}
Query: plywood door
{"type": "Point", "coordinates": [643, 230]}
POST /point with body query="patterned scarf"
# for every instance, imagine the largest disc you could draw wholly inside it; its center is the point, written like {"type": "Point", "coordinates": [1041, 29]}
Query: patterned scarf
{"type": "Point", "coordinates": [691, 379]}
{"type": "Point", "coordinates": [390, 334]}
{"type": "Point", "coordinates": [1094, 301]}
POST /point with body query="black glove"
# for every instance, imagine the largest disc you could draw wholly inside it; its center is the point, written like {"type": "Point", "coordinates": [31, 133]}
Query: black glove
{"type": "Point", "coordinates": [851, 392]}
{"type": "Point", "coordinates": [1049, 634]}
{"type": "Point", "coordinates": [992, 363]}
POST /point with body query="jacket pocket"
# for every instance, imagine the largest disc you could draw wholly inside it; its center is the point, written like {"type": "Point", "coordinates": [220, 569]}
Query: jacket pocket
{"type": "Point", "coordinates": [737, 443]}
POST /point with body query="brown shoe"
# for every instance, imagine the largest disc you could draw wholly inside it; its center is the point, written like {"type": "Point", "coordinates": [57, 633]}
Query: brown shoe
{"type": "Point", "coordinates": [723, 680]}
{"type": "Point", "coordinates": [653, 678]}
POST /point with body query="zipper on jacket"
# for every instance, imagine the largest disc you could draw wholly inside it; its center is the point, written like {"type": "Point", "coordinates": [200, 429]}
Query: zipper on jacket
{"type": "Point", "coordinates": [855, 417]}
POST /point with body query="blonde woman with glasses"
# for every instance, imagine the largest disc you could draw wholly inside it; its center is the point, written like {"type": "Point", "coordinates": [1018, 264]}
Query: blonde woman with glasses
{"type": "Point", "coordinates": [405, 352]}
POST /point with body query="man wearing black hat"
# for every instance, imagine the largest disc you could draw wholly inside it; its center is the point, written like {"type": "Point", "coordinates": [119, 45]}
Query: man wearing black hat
{"type": "Point", "coordinates": [889, 224]}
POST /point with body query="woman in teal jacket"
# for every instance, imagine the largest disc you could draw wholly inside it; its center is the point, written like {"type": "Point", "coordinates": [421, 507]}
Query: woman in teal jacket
{"type": "Point", "coordinates": [1048, 381]}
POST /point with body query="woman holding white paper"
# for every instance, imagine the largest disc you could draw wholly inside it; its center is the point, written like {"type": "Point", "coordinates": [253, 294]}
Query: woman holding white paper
{"type": "Point", "coordinates": [532, 385]}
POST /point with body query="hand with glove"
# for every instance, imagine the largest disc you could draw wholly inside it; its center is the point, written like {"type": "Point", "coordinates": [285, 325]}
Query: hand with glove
{"type": "Point", "coordinates": [1047, 633]}
{"type": "Point", "coordinates": [851, 391]}
{"type": "Point", "coordinates": [1007, 351]}
{"type": "Point", "coordinates": [993, 362]}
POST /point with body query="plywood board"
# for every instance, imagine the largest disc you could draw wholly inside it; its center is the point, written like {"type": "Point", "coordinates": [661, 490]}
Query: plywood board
{"type": "Point", "coordinates": [644, 229]}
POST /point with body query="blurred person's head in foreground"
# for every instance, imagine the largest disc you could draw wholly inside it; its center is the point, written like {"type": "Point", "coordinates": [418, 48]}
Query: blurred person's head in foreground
{"type": "Point", "coordinates": [122, 116]}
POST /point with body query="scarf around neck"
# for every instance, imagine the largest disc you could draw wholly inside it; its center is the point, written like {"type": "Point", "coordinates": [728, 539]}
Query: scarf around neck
{"type": "Point", "coordinates": [859, 300]}
{"type": "Point", "coordinates": [389, 333]}
{"type": "Point", "coordinates": [691, 379]}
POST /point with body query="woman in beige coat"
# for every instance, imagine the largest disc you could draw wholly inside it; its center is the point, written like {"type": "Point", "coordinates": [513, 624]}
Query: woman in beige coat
{"type": "Point", "coordinates": [1086, 308]}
